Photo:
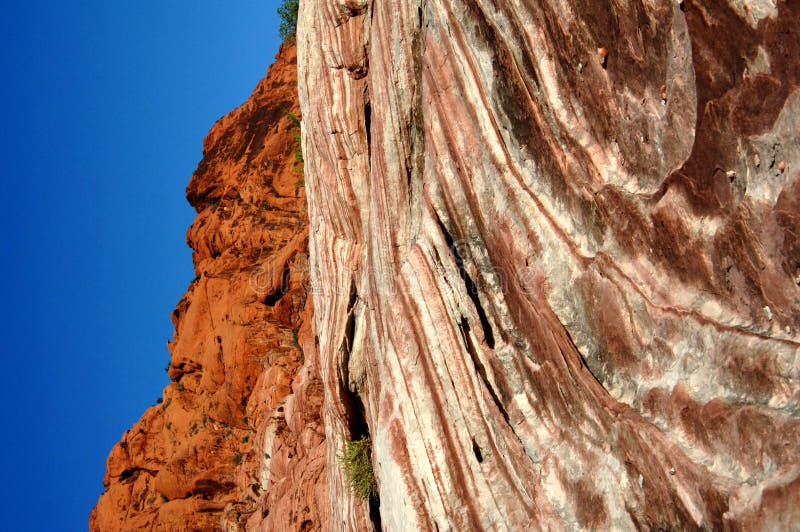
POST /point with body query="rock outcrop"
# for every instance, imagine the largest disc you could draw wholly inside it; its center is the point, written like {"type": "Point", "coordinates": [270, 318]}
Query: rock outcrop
{"type": "Point", "coordinates": [556, 253]}
{"type": "Point", "coordinates": [238, 440]}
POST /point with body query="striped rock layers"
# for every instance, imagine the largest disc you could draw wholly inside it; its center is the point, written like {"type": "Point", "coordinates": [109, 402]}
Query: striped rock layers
{"type": "Point", "coordinates": [555, 254]}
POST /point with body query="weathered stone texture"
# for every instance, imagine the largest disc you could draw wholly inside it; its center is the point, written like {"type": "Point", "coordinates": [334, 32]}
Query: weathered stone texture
{"type": "Point", "coordinates": [238, 442]}
{"type": "Point", "coordinates": [556, 256]}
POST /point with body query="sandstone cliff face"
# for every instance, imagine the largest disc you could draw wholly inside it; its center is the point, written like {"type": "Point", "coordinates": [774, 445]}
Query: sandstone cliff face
{"type": "Point", "coordinates": [238, 440]}
{"type": "Point", "coordinates": [556, 255]}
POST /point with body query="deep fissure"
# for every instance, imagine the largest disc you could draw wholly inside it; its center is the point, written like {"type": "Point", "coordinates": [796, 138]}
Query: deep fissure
{"type": "Point", "coordinates": [477, 450]}
{"type": "Point", "coordinates": [479, 367]}
{"type": "Point", "coordinates": [272, 298]}
{"type": "Point", "coordinates": [368, 122]}
{"type": "Point", "coordinates": [472, 289]}
{"type": "Point", "coordinates": [355, 411]}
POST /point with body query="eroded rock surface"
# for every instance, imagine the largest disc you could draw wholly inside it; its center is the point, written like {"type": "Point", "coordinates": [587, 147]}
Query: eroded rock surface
{"type": "Point", "coordinates": [237, 441]}
{"type": "Point", "coordinates": [557, 257]}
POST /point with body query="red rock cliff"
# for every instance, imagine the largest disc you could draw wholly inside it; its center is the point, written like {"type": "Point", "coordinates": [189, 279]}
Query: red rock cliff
{"type": "Point", "coordinates": [238, 439]}
{"type": "Point", "coordinates": [558, 255]}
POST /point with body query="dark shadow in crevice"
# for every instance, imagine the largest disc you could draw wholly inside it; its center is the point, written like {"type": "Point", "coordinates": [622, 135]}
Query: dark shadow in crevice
{"type": "Point", "coordinates": [275, 296]}
{"type": "Point", "coordinates": [350, 325]}
{"type": "Point", "coordinates": [368, 122]}
{"type": "Point", "coordinates": [358, 428]}
{"type": "Point", "coordinates": [479, 367]}
{"type": "Point", "coordinates": [357, 423]}
{"type": "Point", "coordinates": [472, 289]}
{"type": "Point", "coordinates": [477, 450]}
{"type": "Point", "coordinates": [354, 410]}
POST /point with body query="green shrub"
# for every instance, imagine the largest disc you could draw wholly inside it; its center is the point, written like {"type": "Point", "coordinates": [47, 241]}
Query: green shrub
{"type": "Point", "coordinates": [356, 458]}
{"type": "Point", "coordinates": [298, 140]}
{"type": "Point", "coordinates": [288, 13]}
{"type": "Point", "coordinates": [298, 154]}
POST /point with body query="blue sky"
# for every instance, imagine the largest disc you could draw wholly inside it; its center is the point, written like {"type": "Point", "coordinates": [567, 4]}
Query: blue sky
{"type": "Point", "coordinates": [104, 109]}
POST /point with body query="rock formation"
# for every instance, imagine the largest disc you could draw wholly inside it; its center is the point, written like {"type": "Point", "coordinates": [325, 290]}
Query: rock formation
{"type": "Point", "coordinates": [557, 256]}
{"type": "Point", "coordinates": [238, 437]}
{"type": "Point", "coordinates": [554, 252]}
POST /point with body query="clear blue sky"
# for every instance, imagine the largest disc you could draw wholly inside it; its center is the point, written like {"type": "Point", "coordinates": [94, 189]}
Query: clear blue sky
{"type": "Point", "coordinates": [104, 108]}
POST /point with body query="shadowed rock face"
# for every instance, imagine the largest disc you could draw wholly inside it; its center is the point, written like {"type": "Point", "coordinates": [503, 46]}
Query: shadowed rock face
{"type": "Point", "coordinates": [237, 441]}
{"type": "Point", "coordinates": [556, 256]}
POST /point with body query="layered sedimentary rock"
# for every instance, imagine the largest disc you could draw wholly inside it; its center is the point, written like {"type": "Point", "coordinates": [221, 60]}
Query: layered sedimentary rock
{"type": "Point", "coordinates": [237, 441]}
{"type": "Point", "coordinates": [556, 254]}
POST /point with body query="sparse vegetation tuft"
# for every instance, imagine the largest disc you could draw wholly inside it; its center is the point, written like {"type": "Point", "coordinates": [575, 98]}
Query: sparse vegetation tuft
{"type": "Point", "coordinates": [296, 343]}
{"type": "Point", "coordinates": [356, 458]}
{"type": "Point", "coordinates": [299, 162]}
{"type": "Point", "coordinates": [298, 148]}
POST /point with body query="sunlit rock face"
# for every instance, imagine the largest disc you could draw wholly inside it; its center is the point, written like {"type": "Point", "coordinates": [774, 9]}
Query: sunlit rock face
{"type": "Point", "coordinates": [555, 248]}
{"type": "Point", "coordinates": [237, 442]}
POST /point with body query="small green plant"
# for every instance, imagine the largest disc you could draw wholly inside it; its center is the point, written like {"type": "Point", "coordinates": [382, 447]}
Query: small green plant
{"type": "Point", "coordinates": [296, 343]}
{"type": "Point", "coordinates": [299, 162]}
{"type": "Point", "coordinates": [356, 458]}
{"type": "Point", "coordinates": [288, 13]}
{"type": "Point", "coordinates": [298, 139]}
{"type": "Point", "coordinates": [237, 458]}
